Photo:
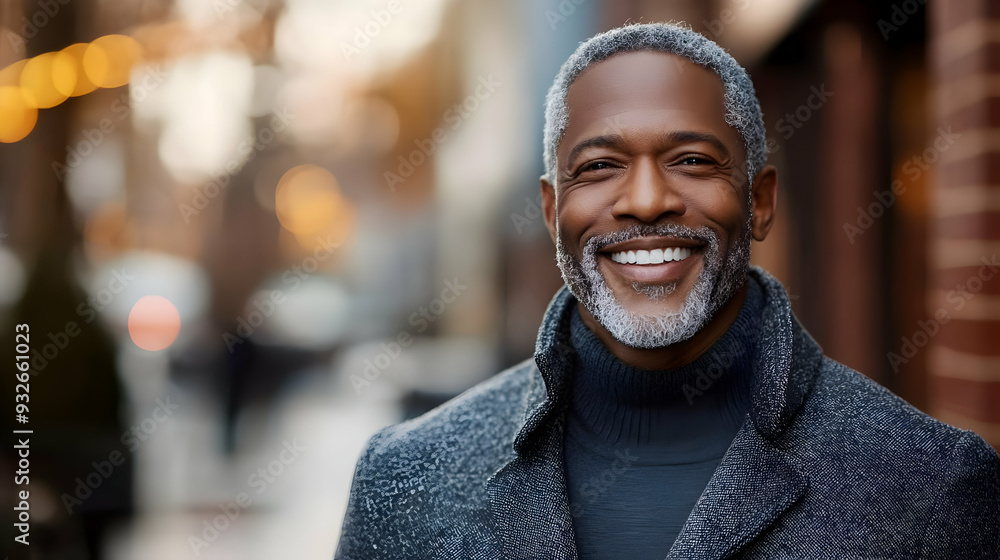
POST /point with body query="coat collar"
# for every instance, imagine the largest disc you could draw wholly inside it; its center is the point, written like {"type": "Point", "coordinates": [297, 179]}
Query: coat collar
{"type": "Point", "coordinates": [753, 485]}
{"type": "Point", "coordinates": [778, 389]}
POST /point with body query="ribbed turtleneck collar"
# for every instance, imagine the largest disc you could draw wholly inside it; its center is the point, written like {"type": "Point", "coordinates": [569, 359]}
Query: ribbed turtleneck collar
{"type": "Point", "coordinates": [678, 415]}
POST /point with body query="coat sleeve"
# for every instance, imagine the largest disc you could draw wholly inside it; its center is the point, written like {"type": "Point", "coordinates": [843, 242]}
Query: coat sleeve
{"type": "Point", "coordinates": [966, 516]}
{"type": "Point", "coordinates": [362, 529]}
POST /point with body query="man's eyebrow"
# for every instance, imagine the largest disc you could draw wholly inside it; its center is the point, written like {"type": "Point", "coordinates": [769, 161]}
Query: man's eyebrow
{"type": "Point", "coordinates": [602, 141]}
{"type": "Point", "coordinates": [670, 138]}
{"type": "Point", "coordinates": [684, 136]}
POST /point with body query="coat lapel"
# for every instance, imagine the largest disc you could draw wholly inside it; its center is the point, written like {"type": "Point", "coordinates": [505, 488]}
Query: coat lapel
{"type": "Point", "coordinates": [754, 484]}
{"type": "Point", "coordinates": [529, 503]}
{"type": "Point", "coordinates": [528, 497]}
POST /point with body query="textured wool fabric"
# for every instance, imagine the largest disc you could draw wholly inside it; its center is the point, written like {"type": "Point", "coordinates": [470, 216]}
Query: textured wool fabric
{"type": "Point", "coordinates": [828, 465]}
{"type": "Point", "coordinates": [641, 445]}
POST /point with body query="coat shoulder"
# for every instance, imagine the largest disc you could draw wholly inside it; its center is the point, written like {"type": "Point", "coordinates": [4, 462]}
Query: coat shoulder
{"type": "Point", "coordinates": [866, 415]}
{"type": "Point", "coordinates": [868, 454]}
{"type": "Point", "coordinates": [476, 426]}
{"type": "Point", "coordinates": [420, 485]}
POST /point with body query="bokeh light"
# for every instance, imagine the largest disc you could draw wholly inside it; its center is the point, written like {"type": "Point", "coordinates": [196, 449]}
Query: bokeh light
{"type": "Point", "coordinates": [17, 115]}
{"type": "Point", "coordinates": [108, 60]}
{"type": "Point", "coordinates": [47, 80]}
{"type": "Point", "coordinates": [13, 277]}
{"type": "Point", "coordinates": [308, 201]}
{"type": "Point", "coordinates": [202, 106]}
{"type": "Point", "coordinates": [154, 323]}
{"type": "Point", "coordinates": [11, 75]}
{"type": "Point", "coordinates": [73, 54]}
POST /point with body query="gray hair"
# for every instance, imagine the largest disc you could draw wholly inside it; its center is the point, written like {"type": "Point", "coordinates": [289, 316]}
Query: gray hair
{"type": "Point", "coordinates": [742, 107]}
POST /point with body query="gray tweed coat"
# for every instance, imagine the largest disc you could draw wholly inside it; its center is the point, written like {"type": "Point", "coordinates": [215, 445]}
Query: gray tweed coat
{"type": "Point", "coordinates": [828, 464]}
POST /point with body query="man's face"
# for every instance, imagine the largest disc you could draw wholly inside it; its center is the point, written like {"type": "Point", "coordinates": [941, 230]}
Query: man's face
{"type": "Point", "coordinates": [650, 209]}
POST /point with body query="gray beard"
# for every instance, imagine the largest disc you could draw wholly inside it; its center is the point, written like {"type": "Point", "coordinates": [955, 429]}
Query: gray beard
{"type": "Point", "coordinates": [718, 281]}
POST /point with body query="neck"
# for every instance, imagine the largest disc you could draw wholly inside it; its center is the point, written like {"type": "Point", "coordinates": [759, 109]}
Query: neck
{"type": "Point", "coordinates": [675, 355]}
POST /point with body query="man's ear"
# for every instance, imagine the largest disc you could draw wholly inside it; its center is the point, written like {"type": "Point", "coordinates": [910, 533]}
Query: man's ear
{"type": "Point", "coordinates": [549, 206]}
{"type": "Point", "coordinates": [765, 201]}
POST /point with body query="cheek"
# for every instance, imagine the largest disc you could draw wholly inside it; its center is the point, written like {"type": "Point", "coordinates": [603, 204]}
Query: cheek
{"type": "Point", "coordinates": [725, 206]}
{"type": "Point", "coordinates": [580, 210]}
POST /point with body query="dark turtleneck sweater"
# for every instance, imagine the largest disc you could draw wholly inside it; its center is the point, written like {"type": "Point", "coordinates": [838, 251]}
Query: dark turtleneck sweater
{"type": "Point", "coordinates": [641, 445]}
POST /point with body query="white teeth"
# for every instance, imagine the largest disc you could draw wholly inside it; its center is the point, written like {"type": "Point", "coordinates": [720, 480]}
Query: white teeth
{"type": "Point", "coordinates": [655, 256]}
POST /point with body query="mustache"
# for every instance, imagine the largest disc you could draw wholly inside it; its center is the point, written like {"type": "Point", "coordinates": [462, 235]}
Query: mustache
{"type": "Point", "coordinates": [701, 234]}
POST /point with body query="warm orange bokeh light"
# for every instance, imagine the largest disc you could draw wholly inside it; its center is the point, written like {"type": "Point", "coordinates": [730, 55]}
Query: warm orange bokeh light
{"type": "Point", "coordinates": [154, 323]}
{"type": "Point", "coordinates": [17, 115]}
{"type": "Point", "coordinates": [108, 60]}
{"type": "Point", "coordinates": [64, 74]}
{"type": "Point", "coordinates": [48, 79]}
{"type": "Point", "coordinates": [73, 54]}
{"type": "Point", "coordinates": [307, 200]}
{"type": "Point", "coordinates": [337, 230]}
{"type": "Point", "coordinates": [11, 75]}
{"type": "Point", "coordinates": [44, 79]}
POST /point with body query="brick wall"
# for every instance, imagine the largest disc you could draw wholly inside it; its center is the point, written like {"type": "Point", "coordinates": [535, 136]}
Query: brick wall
{"type": "Point", "coordinates": [964, 356]}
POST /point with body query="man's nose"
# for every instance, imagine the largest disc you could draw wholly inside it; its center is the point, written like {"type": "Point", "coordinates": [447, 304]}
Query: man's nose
{"type": "Point", "coordinates": [648, 194]}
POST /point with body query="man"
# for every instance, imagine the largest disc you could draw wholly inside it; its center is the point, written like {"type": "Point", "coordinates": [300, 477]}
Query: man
{"type": "Point", "coordinates": [674, 408]}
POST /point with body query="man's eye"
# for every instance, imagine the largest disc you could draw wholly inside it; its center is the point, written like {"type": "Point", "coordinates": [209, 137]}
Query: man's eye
{"type": "Point", "coordinates": [595, 166]}
{"type": "Point", "coordinates": [695, 160]}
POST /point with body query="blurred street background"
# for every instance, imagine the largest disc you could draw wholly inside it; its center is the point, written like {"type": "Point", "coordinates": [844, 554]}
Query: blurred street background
{"type": "Point", "coordinates": [247, 234]}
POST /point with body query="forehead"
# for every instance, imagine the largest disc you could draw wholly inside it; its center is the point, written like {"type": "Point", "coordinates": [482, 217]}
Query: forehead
{"type": "Point", "coordinates": [646, 90]}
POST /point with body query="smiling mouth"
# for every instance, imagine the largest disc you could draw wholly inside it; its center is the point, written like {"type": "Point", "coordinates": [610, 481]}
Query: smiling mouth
{"type": "Point", "coordinates": [650, 257]}
{"type": "Point", "coordinates": [653, 259]}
